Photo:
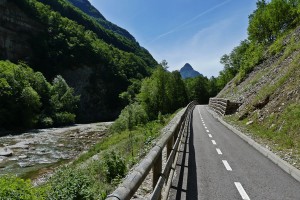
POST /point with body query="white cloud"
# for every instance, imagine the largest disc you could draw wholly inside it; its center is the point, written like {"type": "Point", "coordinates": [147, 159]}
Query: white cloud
{"type": "Point", "coordinates": [190, 21]}
{"type": "Point", "coordinates": [203, 50]}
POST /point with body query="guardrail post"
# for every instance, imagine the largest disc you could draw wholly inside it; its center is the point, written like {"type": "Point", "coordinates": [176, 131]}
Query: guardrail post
{"type": "Point", "coordinates": [157, 168]}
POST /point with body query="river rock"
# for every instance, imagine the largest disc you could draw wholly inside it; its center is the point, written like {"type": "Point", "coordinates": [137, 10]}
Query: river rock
{"type": "Point", "coordinates": [6, 152]}
{"type": "Point", "coordinates": [22, 156]}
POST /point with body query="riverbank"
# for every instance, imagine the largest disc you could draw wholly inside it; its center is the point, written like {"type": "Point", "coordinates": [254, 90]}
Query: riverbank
{"type": "Point", "coordinates": [37, 152]}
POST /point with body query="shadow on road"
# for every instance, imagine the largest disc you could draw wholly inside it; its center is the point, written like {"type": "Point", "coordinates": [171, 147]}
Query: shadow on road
{"type": "Point", "coordinates": [192, 192]}
{"type": "Point", "coordinates": [185, 185]}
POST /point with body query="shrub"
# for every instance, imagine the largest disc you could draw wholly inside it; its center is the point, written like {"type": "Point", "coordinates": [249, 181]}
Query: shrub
{"type": "Point", "coordinates": [64, 118]}
{"type": "Point", "coordinates": [69, 184]}
{"type": "Point", "coordinates": [12, 187]}
{"type": "Point", "coordinates": [115, 167]}
{"type": "Point", "coordinates": [46, 122]}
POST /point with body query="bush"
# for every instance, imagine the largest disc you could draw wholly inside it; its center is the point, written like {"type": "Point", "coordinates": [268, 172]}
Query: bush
{"type": "Point", "coordinates": [64, 118]}
{"type": "Point", "coordinates": [69, 184]}
{"type": "Point", "coordinates": [12, 187]}
{"type": "Point", "coordinates": [115, 167]}
{"type": "Point", "coordinates": [46, 122]}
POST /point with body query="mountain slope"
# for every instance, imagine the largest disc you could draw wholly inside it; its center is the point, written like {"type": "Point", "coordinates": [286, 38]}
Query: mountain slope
{"type": "Point", "coordinates": [270, 97]}
{"type": "Point", "coordinates": [55, 37]}
{"type": "Point", "coordinates": [89, 9]}
{"type": "Point", "coordinates": [187, 71]}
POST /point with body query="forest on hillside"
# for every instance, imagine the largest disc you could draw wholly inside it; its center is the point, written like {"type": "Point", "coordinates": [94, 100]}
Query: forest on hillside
{"type": "Point", "coordinates": [98, 63]}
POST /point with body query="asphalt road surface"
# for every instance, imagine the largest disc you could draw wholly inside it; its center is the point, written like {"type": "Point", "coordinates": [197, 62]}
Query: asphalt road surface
{"type": "Point", "coordinates": [217, 164]}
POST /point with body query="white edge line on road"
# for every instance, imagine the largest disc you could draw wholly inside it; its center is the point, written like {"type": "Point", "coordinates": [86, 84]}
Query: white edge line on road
{"type": "Point", "coordinates": [227, 166]}
{"type": "Point", "coordinates": [241, 191]}
{"type": "Point", "coordinates": [214, 142]}
{"type": "Point", "coordinates": [294, 172]}
{"type": "Point", "coordinates": [207, 131]}
{"type": "Point", "coordinates": [209, 135]}
{"type": "Point", "coordinates": [219, 151]}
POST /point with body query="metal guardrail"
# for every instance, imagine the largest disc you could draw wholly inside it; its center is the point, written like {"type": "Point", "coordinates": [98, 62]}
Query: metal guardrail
{"type": "Point", "coordinates": [223, 106]}
{"type": "Point", "coordinates": [154, 160]}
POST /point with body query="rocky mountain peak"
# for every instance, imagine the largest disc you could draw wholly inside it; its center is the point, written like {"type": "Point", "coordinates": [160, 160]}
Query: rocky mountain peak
{"type": "Point", "coordinates": [187, 71]}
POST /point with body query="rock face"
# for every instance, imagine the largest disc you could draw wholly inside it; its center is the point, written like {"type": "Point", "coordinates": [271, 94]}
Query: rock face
{"type": "Point", "coordinates": [187, 71]}
{"type": "Point", "coordinates": [16, 29]}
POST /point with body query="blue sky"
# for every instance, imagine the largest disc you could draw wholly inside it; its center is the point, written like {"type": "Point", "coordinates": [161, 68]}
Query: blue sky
{"type": "Point", "coordinates": [198, 32]}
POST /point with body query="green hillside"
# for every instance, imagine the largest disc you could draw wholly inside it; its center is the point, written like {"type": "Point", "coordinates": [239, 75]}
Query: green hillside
{"type": "Point", "coordinates": [97, 62]}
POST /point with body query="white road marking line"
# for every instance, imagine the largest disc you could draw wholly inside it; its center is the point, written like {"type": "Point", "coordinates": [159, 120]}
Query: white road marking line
{"type": "Point", "coordinates": [214, 142]}
{"type": "Point", "coordinates": [219, 151]}
{"type": "Point", "coordinates": [209, 135]}
{"type": "Point", "coordinates": [227, 166]}
{"type": "Point", "coordinates": [241, 191]}
{"type": "Point", "coordinates": [199, 112]}
{"type": "Point", "coordinates": [207, 131]}
{"type": "Point", "coordinates": [205, 127]}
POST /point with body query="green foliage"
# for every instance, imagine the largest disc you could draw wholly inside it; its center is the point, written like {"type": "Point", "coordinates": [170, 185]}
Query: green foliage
{"type": "Point", "coordinates": [70, 184]}
{"type": "Point", "coordinates": [28, 100]}
{"type": "Point", "coordinates": [30, 103]}
{"type": "Point", "coordinates": [198, 89]}
{"type": "Point", "coordinates": [129, 95]}
{"type": "Point", "coordinates": [132, 115]}
{"type": "Point", "coordinates": [12, 187]}
{"type": "Point", "coordinates": [252, 56]}
{"type": "Point", "coordinates": [69, 39]}
{"type": "Point", "coordinates": [64, 118]}
{"type": "Point", "coordinates": [46, 122]}
{"type": "Point", "coordinates": [63, 98]}
{"type": "Point", "coordinates": [115, 167]}
{"type": "Point", "coordinates": [272, 19]}
{"type": "Point", "coordinates": [162, 92]}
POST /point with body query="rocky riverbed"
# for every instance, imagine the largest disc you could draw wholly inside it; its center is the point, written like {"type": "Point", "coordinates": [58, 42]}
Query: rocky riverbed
{"type": "Point", "coordinates": [35, 152]}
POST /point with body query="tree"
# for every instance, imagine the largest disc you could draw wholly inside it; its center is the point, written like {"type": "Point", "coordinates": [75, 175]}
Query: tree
{"type": "Point", "coordinates": [63, 101]}
{"type": "Point", "coordinates": [271, 19]}
{"type": "Point", "coordinates": [163, 92]}
{"type": "Point", "coordinates": [30, 107]}
{"type": "Point", "coordinates": [198, 89]}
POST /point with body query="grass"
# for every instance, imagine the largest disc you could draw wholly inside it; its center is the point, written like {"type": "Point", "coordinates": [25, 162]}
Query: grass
{"type": "Point", "coordinates": [142, 136]}
{"type": "Point", "coordinates": [280, 129]}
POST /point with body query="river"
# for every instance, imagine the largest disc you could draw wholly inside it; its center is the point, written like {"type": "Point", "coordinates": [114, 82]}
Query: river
{"type": "Point", "coordinates": [34, 153]}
